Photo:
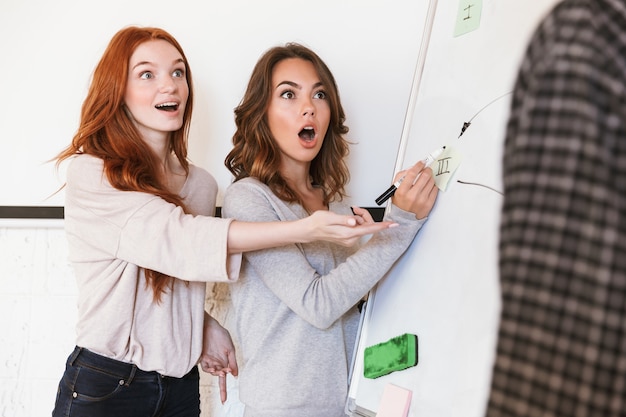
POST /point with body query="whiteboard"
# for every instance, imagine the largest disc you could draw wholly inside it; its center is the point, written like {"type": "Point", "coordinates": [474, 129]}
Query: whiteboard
{"type": "Point", "coordinates": [49, 50]}
{"type": "Point", "coordinates": [445, 288]}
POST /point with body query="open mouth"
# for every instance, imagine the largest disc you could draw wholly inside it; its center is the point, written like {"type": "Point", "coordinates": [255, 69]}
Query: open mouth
{"type": "Point", "coordinates": [307, 134]}
{"type": "Point", "coordinates": [167, 106]}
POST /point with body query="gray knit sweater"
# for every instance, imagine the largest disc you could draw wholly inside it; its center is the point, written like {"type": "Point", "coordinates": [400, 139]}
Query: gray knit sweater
{"type": "Point", "coordinates": [296, 314]}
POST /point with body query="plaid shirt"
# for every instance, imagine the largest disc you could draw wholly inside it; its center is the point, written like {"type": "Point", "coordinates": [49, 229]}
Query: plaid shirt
{"type": "Point", "coordinates": [562, 338]}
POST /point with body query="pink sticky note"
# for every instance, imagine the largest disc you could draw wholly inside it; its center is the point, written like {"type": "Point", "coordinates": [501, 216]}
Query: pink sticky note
{"type": "Point", "coordinates": [395, 402]}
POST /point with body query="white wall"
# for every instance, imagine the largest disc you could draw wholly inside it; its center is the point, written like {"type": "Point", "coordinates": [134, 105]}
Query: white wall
{"type": "Point", "coordinates": [49, 50]}
{"type": "Point", "coordinates": [37, 311]}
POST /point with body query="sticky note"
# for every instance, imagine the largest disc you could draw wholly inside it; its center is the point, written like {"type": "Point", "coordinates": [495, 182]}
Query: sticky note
{"type": "Point", "coordinates": [468, 16]}
{"type": "Point", "coordinates": [395, 402]}
{"type": "Point", "coordinates": [444, 167]}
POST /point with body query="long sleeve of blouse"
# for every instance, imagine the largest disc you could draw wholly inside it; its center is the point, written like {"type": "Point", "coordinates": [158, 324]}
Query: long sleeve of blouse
{"type": "Point", "coordinates": [145, 230]}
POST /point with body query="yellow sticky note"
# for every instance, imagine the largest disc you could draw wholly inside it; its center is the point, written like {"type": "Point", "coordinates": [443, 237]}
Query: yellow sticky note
{"type": "Point", "coordinates": [444, 167]}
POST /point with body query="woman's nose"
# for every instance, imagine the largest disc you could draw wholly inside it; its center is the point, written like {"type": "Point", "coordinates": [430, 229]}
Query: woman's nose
{"type": "Point", "coordinates": [308, 109]}
{"type": "Point", "coordinates": [167, 84]}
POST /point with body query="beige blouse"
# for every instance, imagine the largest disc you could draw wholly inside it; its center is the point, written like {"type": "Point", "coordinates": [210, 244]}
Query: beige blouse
{"type": "Point", "coordinates": [113, 235]}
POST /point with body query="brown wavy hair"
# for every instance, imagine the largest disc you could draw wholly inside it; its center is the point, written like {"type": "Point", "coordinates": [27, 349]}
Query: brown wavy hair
{"type": "Point", "coordinates": [255, 152]}
{"type": "Point", "coordinates": [107, 132]}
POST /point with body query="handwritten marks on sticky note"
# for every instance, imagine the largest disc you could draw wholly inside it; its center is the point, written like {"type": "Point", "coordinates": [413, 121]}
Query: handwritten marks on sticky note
{"type": "Point", "coordinates": [468, 16]}
{"type": "Point", "coordinates": [444, 167]}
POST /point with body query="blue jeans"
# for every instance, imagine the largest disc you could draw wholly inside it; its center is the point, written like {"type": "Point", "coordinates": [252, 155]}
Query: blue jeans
{"type": "Point", "coordinates": [96, 386]}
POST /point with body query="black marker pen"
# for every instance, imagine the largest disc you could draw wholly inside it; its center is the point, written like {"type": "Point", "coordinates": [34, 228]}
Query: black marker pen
{"type": "Point", "coordinates": [391, 190]}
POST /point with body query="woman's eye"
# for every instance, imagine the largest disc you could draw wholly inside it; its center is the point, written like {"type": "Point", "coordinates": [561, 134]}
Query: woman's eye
{"type": "Point", "coordinates": [288, 94]}
{"type": "Point", "coordinates": [320, 95]}
{"type": "Point", "coordinates": [179, 73]}
{"type": "Point", "coordinates": [146, 75]}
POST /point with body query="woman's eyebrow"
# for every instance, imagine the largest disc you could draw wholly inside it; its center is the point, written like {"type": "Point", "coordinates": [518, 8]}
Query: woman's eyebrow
{"type": "Point", "coordinates": [176, 61]}
{"type": "Point", "coordinates": [298, 86]}
{"type": "Point", "coordinates": [289, 83]}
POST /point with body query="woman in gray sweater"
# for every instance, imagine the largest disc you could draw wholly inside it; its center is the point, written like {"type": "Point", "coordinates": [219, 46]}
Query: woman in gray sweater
{"type": "Point", "coordinates": [296, 305]}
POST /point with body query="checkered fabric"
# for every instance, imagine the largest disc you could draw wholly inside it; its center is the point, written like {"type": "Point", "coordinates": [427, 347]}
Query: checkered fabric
{"type": "Point", "coordinates": [562, 338]}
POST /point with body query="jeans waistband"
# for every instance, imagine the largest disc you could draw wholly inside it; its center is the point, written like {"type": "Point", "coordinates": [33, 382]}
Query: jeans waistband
{"type": "Point", "coordinates": [123, 370]}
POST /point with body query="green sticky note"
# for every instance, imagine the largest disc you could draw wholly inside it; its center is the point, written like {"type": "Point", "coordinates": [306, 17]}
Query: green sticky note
{"type": "Point", "coordinates": [395, 354]}
{"type": "Point", "coordinates": [468, 16]}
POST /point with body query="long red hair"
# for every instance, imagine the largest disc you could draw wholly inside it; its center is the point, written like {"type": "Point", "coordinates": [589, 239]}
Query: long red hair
{"type": "Point", "coordinates": [107, 132]}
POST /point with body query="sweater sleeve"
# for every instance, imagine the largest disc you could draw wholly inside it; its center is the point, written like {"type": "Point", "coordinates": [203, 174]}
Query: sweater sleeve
{"type": "Point", "coordinates": [318, 298]}
{"type": "Point", "coordinates": [142, 229]}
